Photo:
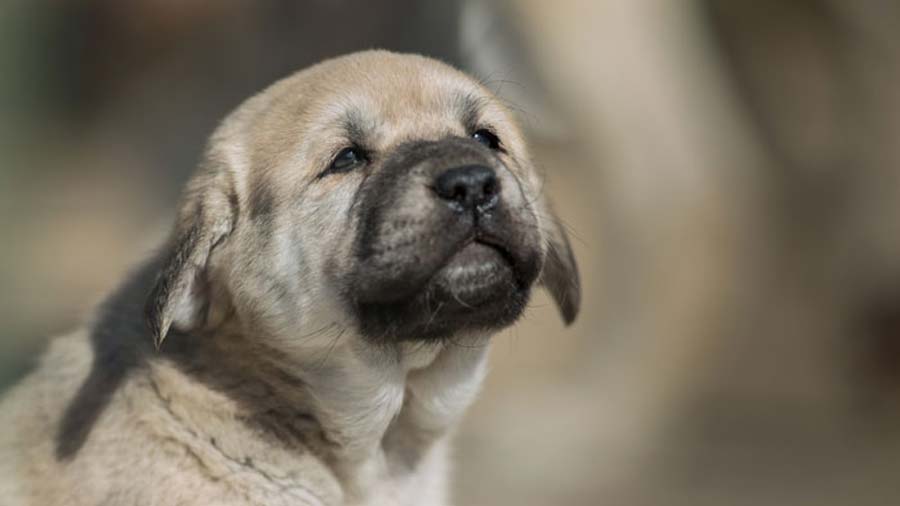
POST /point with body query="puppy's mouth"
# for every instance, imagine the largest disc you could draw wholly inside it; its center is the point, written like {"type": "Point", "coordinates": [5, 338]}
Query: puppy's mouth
{"type": "Point", "coordinates": [475, 274]}
{"type": "Point", "coordinates": [481, 284]}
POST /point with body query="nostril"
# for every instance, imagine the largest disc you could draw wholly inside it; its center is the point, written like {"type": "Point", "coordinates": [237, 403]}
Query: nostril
{"type": "Point", "coordinates": [468, 187]}
{"type": "Point", "coordinates": [450, 187]}
{"type": "Point", "coordinates": [490, 187]}
{"type": "Point", "coordinates": [458, 193]}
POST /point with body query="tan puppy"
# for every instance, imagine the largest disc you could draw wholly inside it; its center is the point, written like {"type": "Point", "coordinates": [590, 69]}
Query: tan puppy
{"type": "Point", "coordinates": [319, 320]}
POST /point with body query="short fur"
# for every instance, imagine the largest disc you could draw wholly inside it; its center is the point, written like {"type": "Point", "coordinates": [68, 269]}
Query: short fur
{"type": "Point", "coordinates": [305, 337]}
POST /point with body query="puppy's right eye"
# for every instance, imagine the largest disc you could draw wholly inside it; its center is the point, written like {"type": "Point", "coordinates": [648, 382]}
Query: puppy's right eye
{"type": "Point", "coordinates": [346, 160]}
{"type": "Point", "coordinates": [488, 138]}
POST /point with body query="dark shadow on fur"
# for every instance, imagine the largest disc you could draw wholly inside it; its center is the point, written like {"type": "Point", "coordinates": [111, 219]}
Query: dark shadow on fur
{"type": "Point", "coordinates": [272, 400]}
{"type": "Point", "coordinates": [120, 342]}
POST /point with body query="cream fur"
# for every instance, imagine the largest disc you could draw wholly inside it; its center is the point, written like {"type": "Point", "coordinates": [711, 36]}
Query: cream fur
{"type": "Point", "coordinates": [372, 422]}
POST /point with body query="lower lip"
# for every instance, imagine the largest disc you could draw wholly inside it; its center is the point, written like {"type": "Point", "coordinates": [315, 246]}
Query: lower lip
{"type": "Point", "coordinates": [475, 274]}
{"type": "Point", "coordinates": [475, 258]}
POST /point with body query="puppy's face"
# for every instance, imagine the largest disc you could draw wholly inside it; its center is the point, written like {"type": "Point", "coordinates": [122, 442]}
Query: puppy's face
{"type": "Point", "coordinates": [386, 193]}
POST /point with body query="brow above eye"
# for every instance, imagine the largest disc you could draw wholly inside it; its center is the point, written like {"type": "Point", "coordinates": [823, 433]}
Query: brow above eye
{"type": "Point", "coordinates": [469, 110]}
{"type": "Point", "coordinates": [354, 126]}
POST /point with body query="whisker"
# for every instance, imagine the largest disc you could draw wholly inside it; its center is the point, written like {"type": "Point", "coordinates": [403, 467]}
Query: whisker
{"type": "Point", "coordinates": [433, 315]}
{"type": "Point", "coordinates": [331, 348]}
{"type": "Point", "coordinates": [320, 331]}
{"type": "Point", "coordinates": [458, 299]}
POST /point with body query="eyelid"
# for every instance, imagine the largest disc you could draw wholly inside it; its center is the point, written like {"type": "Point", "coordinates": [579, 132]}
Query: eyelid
{"type": "Point", "coordinates": [500, 148]}
{"type": "Point", "coordinates": [486, 128]}
{"type": "Point", "coordinates": [361, 154]}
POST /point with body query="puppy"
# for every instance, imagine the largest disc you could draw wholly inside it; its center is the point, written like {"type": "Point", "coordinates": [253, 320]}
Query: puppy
{"type": "Point", "coordinates": [318, 321]}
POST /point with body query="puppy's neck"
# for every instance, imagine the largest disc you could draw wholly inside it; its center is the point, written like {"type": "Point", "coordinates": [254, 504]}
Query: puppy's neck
{"type": "Point", "coordinates": [370, 412]}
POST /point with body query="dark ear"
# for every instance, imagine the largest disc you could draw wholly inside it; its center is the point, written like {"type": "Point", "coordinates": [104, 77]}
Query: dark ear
{"type": "Point", "coordinates": [180, 298]}
{"type": "Point", "coordinates": [560, 273]}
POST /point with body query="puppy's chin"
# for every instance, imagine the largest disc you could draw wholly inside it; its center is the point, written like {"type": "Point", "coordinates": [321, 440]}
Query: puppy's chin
{"type": "Point", "coordinates": [474, 276]}
{"type": "Point", "coordinates": [477, 289]}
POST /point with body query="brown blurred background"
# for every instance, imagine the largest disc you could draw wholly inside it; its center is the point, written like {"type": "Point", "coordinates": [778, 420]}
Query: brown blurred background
{"type": "Point", "coordinates": [730, 171]}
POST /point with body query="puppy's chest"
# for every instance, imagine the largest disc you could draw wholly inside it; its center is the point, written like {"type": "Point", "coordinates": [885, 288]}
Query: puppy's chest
{"type": "Point", "coordinates": [359, 445]}
{"type": "Point", "coordinates": [401, 465]}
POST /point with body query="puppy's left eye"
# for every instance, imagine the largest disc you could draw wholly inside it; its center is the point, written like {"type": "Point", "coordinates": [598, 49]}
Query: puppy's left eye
{"type": "Point", "coordinates": [487, 138]}
{"type": "Point", "coordinates": [346, 160]}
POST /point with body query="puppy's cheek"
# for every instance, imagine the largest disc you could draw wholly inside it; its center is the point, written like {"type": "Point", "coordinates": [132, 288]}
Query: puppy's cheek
{"type": "Point", "coordinates": [325, 225]}
{"type": "Point", "coordinates": [522, 202]}
{"type": "Point", "coordinates": [258, 292]}
{"type": "Point", "coordinates": [515, 190]}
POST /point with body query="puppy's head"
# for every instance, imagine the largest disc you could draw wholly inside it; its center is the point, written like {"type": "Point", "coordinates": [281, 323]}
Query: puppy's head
{"type": "Point", "coordinates": [386, 193]}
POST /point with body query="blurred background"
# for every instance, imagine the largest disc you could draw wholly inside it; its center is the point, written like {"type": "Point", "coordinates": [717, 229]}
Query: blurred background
{"type": "Point", "coordinates": [730, 171]}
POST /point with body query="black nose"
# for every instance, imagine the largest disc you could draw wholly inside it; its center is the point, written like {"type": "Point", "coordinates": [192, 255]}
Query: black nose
{"type": "Point", "coordinates": [469, 187]}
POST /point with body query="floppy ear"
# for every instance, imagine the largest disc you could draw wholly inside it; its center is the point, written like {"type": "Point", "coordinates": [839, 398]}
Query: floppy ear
{"type": "Point", "coordinates": [180, 298]}
{"type": "Point", "coordinates": [560, 273]}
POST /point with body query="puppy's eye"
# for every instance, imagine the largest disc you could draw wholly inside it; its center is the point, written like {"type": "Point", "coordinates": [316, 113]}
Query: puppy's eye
{"type": "Point", "coordinates": [346, 160]}
{"type": "Point", "coordinates": [487, 138]}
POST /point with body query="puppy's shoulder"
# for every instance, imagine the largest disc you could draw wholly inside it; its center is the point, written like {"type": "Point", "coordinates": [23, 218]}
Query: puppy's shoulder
{"type": "Point", "coordinates": [29, 414]}
{"type": "Point", "coordinates": [60, 369]}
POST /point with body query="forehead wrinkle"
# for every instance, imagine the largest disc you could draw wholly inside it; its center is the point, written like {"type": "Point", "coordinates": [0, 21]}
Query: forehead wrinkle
{"type": "Point", "coordinates": [348, 115]}
{"type": "Point", "coordinates": [356, 127]}
{"type": "Point", "coordinates": [353, 126]}
{"type": "Point", "coordinates": [432, 111]}
{"type": "Point", "coordinates": [427, 126]}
